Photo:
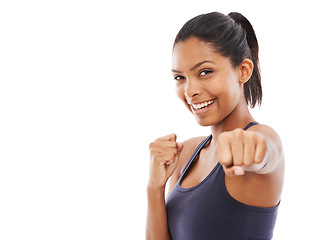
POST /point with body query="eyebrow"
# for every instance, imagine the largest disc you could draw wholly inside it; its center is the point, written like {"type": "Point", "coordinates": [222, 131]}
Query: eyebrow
{"type": "Point", "coordinates": [195, 66]}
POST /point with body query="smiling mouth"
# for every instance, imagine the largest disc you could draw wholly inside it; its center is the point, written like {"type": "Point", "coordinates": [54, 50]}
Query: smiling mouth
{"type": "Point", "coordinates": [203, 105]}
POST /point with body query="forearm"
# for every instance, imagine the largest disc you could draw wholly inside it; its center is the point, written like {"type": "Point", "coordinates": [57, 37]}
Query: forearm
{"type": "Point", "coordinates": [156, 226]}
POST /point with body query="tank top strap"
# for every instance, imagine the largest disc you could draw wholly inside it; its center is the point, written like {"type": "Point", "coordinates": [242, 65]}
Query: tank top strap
{"type": "Point", "coordinates": [202, 145]}
{"type": "Point", "coordinates": [250, 125]}
{"type": "Point", "coordinates": [196, 152]}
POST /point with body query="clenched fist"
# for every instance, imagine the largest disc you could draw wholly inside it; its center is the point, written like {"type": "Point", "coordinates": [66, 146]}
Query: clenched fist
{"type": "Point", "coordinates": [164, 154]}
{"type": "Point", "coordinates": [240, 150]}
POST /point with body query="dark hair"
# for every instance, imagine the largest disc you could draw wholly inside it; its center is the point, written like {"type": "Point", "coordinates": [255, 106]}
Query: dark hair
{"type": "Point", "coordinates": [232, 36]}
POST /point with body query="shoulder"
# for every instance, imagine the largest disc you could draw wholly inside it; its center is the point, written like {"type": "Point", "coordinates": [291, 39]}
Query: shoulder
{"type": "Point", "coordinates": [269, 133]}
{"type": "Point", "coordinates": [261, 190]}
{"type": "Point", "coordinates": [191, 144]}
{"type": "Point", "coordinates": [274, 148]}
{"type": "Point", "coordinates": [189, 147]}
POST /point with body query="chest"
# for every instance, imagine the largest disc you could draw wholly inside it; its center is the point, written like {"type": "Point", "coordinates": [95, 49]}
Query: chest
{"type": "Point", "coordinates": [199, 169]}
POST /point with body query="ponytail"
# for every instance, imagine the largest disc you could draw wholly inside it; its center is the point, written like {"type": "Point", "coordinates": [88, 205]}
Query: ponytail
{"type": "Point", "coordinates": [253, 86]}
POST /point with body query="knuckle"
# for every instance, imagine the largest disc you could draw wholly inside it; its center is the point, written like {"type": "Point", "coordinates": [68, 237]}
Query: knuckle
{"type": "Point", "coordinates": [250, 136]}
{"type": "Point", "coordinates": [248, 163]}
{"type": "Point", "coordinates": [238, 132]}
{"type": "Point", "coordinates": [225, 161]}
{"type": "Point", "coordinates": [151, 145]}
{"type": "Point", "coordinates": [155, 157]}
{"type": "Point", "coordinates": [159, 139]}
{"type": "Point", "coordinates": [258, 160]}
{"type": "Point", "coordinates": [262, 141]}
{"type": "Point", "coordinates": [222, 137]}
{"type": "Point", "coordinates": [171, 137]}
{"type": "Point", "coordinates": [238, 161]}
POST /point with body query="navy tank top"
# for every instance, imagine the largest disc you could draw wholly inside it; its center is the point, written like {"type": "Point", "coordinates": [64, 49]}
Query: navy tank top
{"type": "Point", "coordinates": [207, 211]}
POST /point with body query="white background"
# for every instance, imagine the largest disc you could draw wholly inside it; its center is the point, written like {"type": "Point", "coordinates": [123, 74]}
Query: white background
{"type": "Point", "coordinates": [85, 86]}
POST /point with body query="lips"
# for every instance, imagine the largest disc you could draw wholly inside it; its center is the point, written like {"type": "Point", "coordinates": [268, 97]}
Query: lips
{"type": "Point", "coordinates": [203, 104]}
{"type": "Point", "coordinates": [202, 107]}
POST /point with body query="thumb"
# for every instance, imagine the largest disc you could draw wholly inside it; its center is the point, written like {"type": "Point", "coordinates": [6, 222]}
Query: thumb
{"type": "Point", "coordinates": [179, 150]}
{"type": "Point", "coordinates": [233, 171]}
{"type": "Point", "coordinates": [179, 147]}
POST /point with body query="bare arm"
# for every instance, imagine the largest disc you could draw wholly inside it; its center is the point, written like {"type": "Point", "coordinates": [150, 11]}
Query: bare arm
{"type": "Point", "coordinates": [157, 227]}
{"type": "Point", "coordinates": [165, 153]}
{"type": "Point", "coordinates": [253, 162]}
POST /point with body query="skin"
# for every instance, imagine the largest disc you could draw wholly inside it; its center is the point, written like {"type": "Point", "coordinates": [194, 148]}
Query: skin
{"type": "Point", "coordinates": [203, 75]}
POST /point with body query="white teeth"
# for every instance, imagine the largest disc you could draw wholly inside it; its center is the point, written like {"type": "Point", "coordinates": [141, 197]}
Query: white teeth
{"type": "Point", "coordinates": [201, 105]}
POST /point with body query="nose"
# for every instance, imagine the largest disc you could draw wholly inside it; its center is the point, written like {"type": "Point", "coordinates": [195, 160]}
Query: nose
{"type": "Point", "coordinates": [191, 89]}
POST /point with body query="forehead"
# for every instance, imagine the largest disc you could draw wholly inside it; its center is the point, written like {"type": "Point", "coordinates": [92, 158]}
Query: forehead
{"type": "Point", "coordinates": [191, 51]}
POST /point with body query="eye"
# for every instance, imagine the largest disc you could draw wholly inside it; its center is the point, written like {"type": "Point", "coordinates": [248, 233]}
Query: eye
{"type": "Point", "coordinates": [205, 72]}
{"type": "Point", "coordinates": [178, 77]}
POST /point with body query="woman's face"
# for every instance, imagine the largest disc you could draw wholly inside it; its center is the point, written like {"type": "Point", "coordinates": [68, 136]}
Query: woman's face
{"type": "Point", "coordinates": [206, 81]}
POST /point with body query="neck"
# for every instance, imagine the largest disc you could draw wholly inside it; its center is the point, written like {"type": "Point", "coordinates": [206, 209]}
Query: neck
{"type": "Point", "coordinates": [239, 118]}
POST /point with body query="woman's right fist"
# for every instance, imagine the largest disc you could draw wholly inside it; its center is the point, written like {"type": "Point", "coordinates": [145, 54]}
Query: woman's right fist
{"type": "Point", "coordinates": [165, 153]}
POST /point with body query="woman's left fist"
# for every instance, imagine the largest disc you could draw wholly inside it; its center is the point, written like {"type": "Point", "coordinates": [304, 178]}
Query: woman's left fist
{"type": "Point", "coordinates": [239, 149]}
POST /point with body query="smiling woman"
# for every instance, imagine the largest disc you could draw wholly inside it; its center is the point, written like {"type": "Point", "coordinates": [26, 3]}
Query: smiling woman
{"type": "Point", "coordinates": [227, 185]}
{"type": "Point", "coordinates": [212, 80]}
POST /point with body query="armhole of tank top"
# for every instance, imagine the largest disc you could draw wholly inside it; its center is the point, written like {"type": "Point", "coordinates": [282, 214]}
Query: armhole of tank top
{"type": "Point", "coordinates": [236, 202]}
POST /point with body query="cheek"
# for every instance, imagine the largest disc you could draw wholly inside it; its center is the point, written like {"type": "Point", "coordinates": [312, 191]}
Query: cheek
{"type": "Point", "coordinates": [181, 94]}
{"type": "Point", "coordinates": [180, 91]}
{"type": "Point", "coordinates": [229, 96]}
{"type": "Point", "coordinates": [229, 84]}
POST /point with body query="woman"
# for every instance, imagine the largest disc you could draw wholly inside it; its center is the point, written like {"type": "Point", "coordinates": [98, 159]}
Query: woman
{"type": "Point", "coordinates": [226, 185]}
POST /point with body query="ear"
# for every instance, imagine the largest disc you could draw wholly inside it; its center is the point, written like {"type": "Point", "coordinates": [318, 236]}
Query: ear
{"type": "Point", "coordinates": [245, 70]}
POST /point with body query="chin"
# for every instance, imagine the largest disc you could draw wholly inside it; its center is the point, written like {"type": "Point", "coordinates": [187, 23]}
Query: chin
{"type": "Point", "coordinates": [205, 122]}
